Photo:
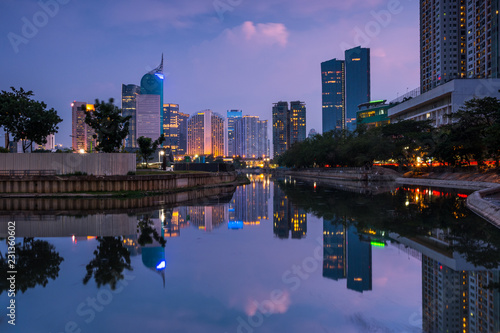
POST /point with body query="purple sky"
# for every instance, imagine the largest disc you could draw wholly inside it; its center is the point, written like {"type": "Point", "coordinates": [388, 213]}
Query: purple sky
{"type": "Point", "coordinates": [222, 54]}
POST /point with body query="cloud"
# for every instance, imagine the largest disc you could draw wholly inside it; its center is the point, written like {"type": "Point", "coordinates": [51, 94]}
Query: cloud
{"type": "Point", "coordinates": [267, 306]}
{"type": "Point", "coordinates": [260, 33]}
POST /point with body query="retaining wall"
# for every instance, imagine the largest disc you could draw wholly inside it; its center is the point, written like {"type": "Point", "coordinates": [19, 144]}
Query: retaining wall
{"type": "Point", "coordinates": [65, 163]}
{"type": "Point", "coordinates": [150, 183]}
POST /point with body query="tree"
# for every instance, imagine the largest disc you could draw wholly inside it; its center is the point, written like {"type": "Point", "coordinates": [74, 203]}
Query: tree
{"type": "Point", "coordinates": [26, 119]}
{"type": "Point", "coordinates": [147, 147]}
{"type": "Point", "coordinates": [109, 125]}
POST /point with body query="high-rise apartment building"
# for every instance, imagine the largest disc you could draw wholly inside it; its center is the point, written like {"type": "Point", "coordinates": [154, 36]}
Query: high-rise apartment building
{"type": "Point", "coordinates": [345, 85]}
{"type": "Point", "coordinates": [207, 134]}
{"type": "Point", "coordinates": [232, 116]}
{"type": "Point", "coordinates": [458, 39]}
{"type": "Point", "coordinates": [129, 107]}
{"type": "Point", "coordinates": [289, 125]}
{"type": "Point", "coordinates": [250, 137]}
{"type": "Point", "coordinates": [81, 133]}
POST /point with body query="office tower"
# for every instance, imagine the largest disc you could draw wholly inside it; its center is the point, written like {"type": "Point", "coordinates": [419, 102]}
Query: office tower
{"type": "Point", "coordinates": [359, 262]}
{"type": "Point", "coordinates": [289, 125]}
{"type": "Point", "coordinates": [333, 94]}
{"type": "Point", "coordinates": [149, 104]}
{"type": "Point", "coordinates": [458, 39]}
{"type": "Point", "coordinates": [334, 249]}
{"type": "Point", "coordinates": [82, 134]}
{"type": "Point", "coordinates": [148, 116]}
{"type": "Point", "coordinates": [250, 137]}
{"type": "Point", "coordinates": [345, 85]}
{"type": "Point", "coordinates": [183, 120]}
{"type": "Point", "coordinates": [174, 128]}
{"type": "Point", "coordinates": [129, 108]}
{"type": "Point", "coordinates": [231, 118]}
{"type": "Point", "coordinates": [297, 122]}
{"type": "Point", "coordinates": [357, 83]}
{"type": "Point", "coordinates": [207, 134]}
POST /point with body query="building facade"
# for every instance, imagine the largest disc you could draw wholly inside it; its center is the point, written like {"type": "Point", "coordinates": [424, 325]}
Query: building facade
{"type": "Point", "coordinates": [232, 116]}
{"type": "Point", "coordinates": [82, 135]}
{"type": "Point", "coordinates": [250, 137]}
{"type": "Point", "coordinates": [129, 107]}
{"type": "Point", "coordinates": [443, 100]}
{"type": "Point", "coordinates": [357, 83]}
{"type": "Point", "coordinates": [175, 129]}
{"type": "Point", "coordinates": [458, 39]}
{"type": "Point", "coordinates": [207, 134]}
{"type": "Point", "coordinates": [144, 104]}
{"type": "Point", "coordinates": [333, 94]}
{"type": "Point", "coordinates": [289, 125]}
{"type": "Point", "coordinates": [345, 85]}
{"type": "Point", "coordinates": [373, 113]}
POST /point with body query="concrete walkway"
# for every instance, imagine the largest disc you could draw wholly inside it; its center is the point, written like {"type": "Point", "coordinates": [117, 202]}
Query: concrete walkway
{"type": "Point", "coordinates": [478, 202]}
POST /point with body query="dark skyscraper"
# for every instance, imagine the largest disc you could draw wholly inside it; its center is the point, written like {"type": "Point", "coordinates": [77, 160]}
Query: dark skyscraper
{"type": "Point", "coordinates": [297, 122]}
{"type": "Point", "coordinates": [289, 125]}
{"type": "Point", "coordinates": [357, 83]}
{"type": "Point", "coordinates": [333, 92]}
{"type": "Point", "coordinates": [345, 85]}
{"type": "Point", "coordinates": [129, 104]}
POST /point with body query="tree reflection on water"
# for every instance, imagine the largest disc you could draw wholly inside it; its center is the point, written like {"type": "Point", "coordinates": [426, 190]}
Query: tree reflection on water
{"type": "Point", "coordinates": [111, 258]}
{"type": "Point", "coordinates": [37, 261]}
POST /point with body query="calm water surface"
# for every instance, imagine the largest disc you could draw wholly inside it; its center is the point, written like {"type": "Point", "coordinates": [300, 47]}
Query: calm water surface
{"type": "Point", "coordinates": [274, 256]}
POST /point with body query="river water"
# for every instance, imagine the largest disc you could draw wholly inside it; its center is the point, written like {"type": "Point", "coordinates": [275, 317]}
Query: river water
{"type": "Point", "coordinates": [277, 255]}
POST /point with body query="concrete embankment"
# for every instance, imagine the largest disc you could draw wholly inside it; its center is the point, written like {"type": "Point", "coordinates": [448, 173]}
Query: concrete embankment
{"type": "Point", "coordinates": [101, 184]}
{"type": "Point", "coordinates": [475, 201]}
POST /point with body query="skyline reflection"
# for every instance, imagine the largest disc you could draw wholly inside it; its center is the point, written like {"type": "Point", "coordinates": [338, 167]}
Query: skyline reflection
{"type": "Point", "coordinates": [358, 240]}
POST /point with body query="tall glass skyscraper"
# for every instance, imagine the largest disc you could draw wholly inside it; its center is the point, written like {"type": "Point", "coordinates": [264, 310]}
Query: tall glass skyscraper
{"type": "Point", "coordinates": [333, 94]}
{"type": "Point", "coordinates": [357, 83]}
{"type": "Point", "coordinates": [345, 85]}
{"type": "Point", "coordinates": [129, 106]}
{"type": "Point", "coordinates": [232, 115]}
{"type": "Point", "coordinates": [144, 103]}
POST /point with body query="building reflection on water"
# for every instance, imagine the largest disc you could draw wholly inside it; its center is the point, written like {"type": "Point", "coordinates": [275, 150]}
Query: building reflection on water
{"type": "Point", "coordinates": [287, 217]}
{"type": "Point", "coordinates": [347, 255]}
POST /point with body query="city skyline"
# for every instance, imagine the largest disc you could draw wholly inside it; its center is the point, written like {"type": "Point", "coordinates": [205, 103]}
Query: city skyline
{"type": "Point", "coordinates": [204, 46]}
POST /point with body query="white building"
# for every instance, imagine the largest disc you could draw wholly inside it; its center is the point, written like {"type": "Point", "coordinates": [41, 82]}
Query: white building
{"type": "Point", "coordinates": [435, 104]}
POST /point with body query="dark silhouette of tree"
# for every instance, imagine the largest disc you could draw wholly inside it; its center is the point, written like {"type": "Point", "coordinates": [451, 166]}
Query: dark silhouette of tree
{"type": "Point", "coordinates": [36, 263]}
{"type": "Point", "coordinates": [147, 147]}
{"type": "Point", "coordinates": [26, 119]}
{"type": "Point", "coordinates": [111, 258]}
{"type": "Point", "coordinates": [109, 126]}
